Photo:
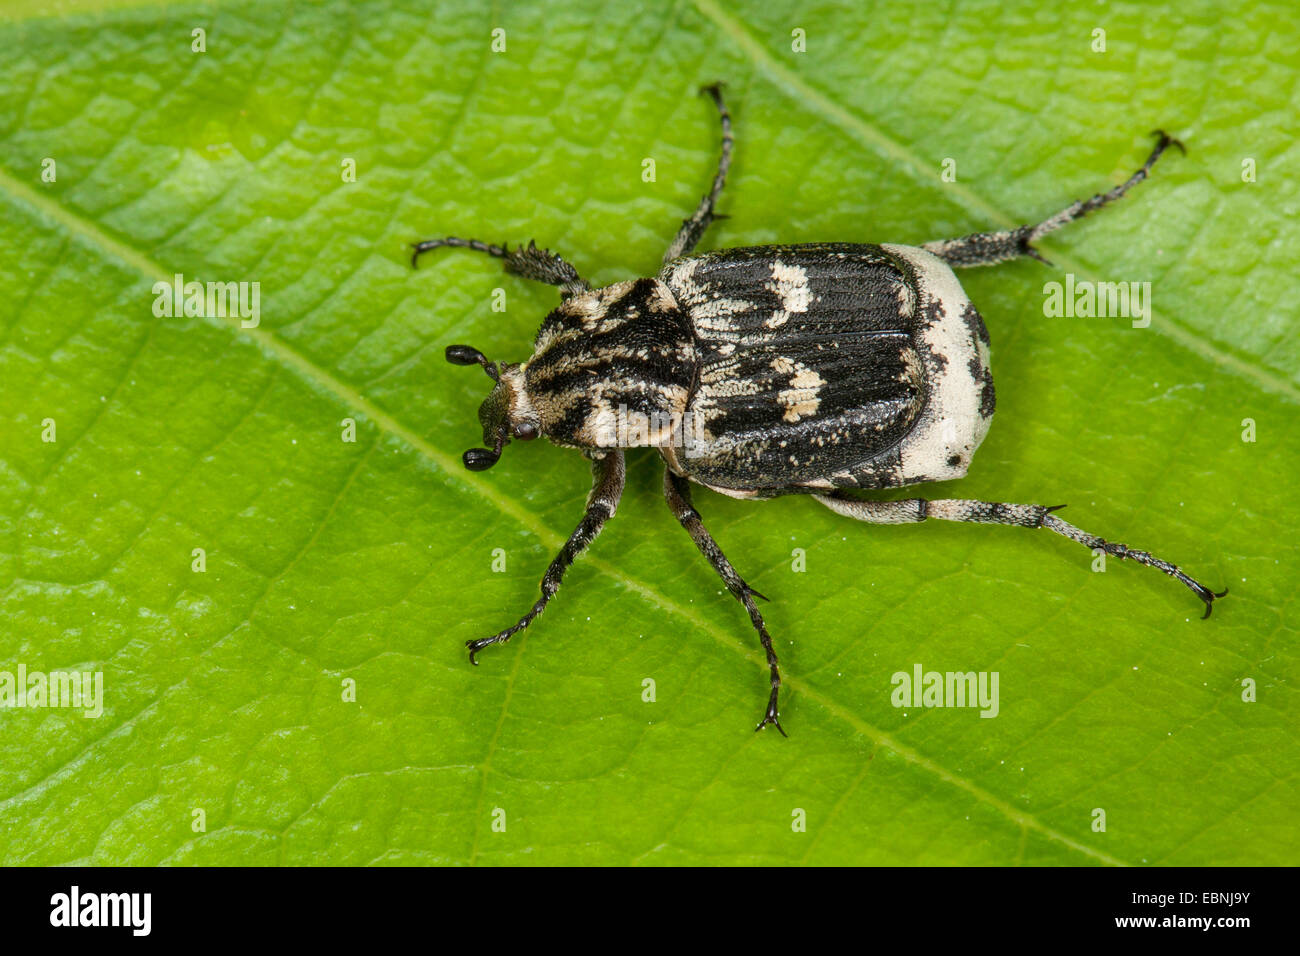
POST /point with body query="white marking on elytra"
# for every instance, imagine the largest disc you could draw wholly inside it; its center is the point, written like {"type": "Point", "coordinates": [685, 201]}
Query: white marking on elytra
{"type": "Point", "coordinates": [682, 279]}
{"type": "Point", "coordinates": [661, 299]}
{"type": "Point", "coordinates": [906, 300]}
{"type": "Point", "coordinates": [803, 397]}
{"type": "Point", "coordinates": [715, 314]}
{"type": "Point", "coordinates": [790, 285]}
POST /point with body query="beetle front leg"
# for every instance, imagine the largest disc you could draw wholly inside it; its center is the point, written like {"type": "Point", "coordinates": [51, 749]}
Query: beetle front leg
{"type": "Point", "coordinates": [678, 493]}
{"type": "Point", "coordinates": [910, 510]}
{"type": "Point", "coordinates": [990, 248]}
{"type": "Point", "coordinates": [527, 262]}
{"type": "Point", "coordinates": [693, 229]}
{"type": "Point", "coordinates": [606, 489]}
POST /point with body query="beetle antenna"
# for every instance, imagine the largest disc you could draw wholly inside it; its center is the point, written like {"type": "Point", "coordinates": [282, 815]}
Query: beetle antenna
{"type": "Point", "coordinates": [465, 355]}
{"type": "Point", "coordinates": [480, 459]}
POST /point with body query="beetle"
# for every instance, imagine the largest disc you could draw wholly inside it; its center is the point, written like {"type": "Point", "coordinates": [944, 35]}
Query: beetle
{"type": "Point", "coordinates": [815, 369]}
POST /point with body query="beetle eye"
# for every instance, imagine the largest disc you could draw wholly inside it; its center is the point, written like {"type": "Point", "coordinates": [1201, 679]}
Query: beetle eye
{"type": "Point", "coordinates": [526, 431]}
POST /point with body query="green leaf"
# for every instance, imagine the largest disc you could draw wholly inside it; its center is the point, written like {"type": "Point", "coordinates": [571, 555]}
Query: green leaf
{"type": "Point", "coordinates": [330, 562]}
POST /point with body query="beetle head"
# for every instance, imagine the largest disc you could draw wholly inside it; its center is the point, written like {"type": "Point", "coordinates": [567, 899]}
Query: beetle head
{"type": "Point", "coordinates": [504, 413]}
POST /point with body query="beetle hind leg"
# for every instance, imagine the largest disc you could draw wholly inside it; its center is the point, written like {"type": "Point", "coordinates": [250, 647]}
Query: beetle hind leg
{"type": "Point", "coordinates": [990, 248]}
{"type": "Point", "coordinates": [911, 510]}
{"type": "Point", "coordinates": [678, 494]}
{"type": "Point", "coordinates": [1091, 541]}
{"type": "Point", "coordinates": [527, 262]}
{"type": "Point", "coordinates": [692, 229]}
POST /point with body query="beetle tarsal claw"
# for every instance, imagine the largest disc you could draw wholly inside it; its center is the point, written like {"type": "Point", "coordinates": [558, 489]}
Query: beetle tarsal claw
{"type": "Point", "coordinates": [771, 717]}
{"type": "Point", "coordinates": [1165, 141]}
{"type": "Point", "coordinates": [484, 642]}
{"type": "Point", "coordinates": [1209, 597]}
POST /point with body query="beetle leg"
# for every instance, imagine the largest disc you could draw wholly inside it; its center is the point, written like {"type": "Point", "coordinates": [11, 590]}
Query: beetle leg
{"type": "Point", "coordinates": [606, 490]}
{"type": "Point", "coordinates": [989, 512]}
{"type": "Point", "coordinates": [528, 262]}
{"type": "Point", "coordinates": [990, 248]}
{"type": "Point", "coordinates": [678, 492]}
{"type": "Point", "coordinates": [693, 229]}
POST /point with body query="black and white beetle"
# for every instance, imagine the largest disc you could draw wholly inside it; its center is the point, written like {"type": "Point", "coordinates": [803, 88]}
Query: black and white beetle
{"type": "Point", "coordinates": [764, 371]}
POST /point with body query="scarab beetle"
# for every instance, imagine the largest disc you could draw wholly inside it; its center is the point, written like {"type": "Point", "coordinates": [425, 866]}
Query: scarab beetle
{"type": "Point", "coordinates": [773, 370]}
